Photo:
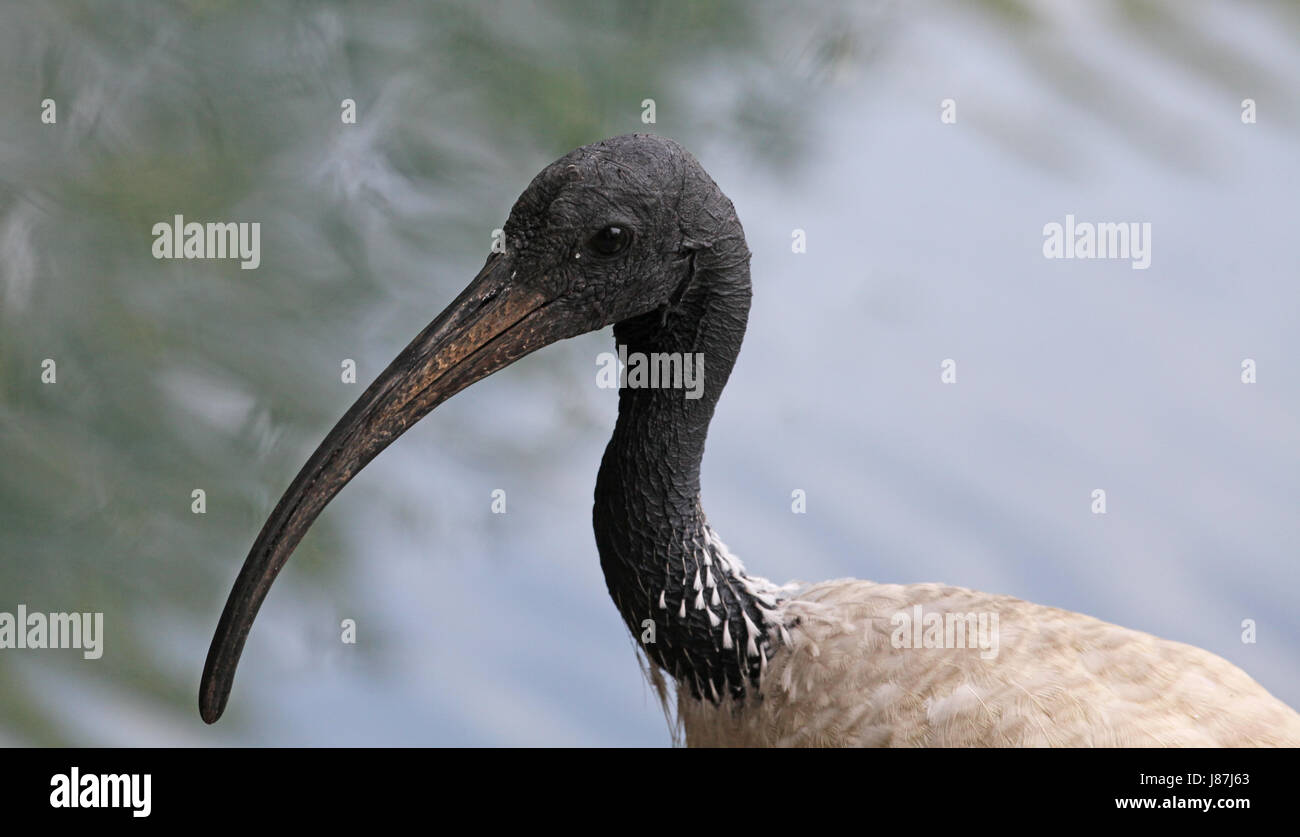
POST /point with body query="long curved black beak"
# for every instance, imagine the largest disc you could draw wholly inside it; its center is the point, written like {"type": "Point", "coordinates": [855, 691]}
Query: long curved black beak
{"type": "Point", "coordinates": [493, 323]}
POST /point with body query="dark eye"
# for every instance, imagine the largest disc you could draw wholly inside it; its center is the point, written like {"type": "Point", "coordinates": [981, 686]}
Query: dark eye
{"type": "Point", "coordinates": [610, 241]}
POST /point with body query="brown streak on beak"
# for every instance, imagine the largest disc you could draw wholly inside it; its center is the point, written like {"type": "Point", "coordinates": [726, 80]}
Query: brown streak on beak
{"type": "Point", "coordinates": [490, 325]}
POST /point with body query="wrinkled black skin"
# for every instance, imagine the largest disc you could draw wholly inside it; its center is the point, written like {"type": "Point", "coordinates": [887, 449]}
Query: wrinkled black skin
{"type": "Point", "coordinates": [682, 285]}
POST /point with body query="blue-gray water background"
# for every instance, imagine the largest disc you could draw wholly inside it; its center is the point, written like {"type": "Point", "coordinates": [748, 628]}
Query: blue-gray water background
{"type": "Point", "coordinates": [924, 243]}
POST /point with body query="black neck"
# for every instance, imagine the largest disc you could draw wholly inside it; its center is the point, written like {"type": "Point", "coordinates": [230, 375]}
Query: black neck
{"type": "Point", "coordinates": [662, 562]}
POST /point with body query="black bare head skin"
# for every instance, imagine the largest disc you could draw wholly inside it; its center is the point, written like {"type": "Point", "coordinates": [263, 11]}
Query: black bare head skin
{"type": "Point", "coordinates": [612, 229]}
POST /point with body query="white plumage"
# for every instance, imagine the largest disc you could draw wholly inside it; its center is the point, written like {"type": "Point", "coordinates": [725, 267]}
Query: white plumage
{"type": "Point", "coordinates": [1058, 679]}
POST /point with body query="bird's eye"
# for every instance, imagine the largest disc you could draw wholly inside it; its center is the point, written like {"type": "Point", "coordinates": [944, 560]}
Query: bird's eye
{"type": "Point", "coordinates": [610, 241]}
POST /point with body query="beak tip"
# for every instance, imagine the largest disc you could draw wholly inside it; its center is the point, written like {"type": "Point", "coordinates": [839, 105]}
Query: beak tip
{"type": "Point", "coordinates": [211, 706]}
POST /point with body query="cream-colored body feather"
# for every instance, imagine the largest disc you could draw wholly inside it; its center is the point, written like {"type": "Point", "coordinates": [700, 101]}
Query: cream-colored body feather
{"type": "Point", "coordinates": [1058, 679]}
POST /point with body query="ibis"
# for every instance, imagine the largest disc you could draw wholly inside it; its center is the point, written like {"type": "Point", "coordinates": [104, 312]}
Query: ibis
{"type": "Point", "coordinates": [632, 232]}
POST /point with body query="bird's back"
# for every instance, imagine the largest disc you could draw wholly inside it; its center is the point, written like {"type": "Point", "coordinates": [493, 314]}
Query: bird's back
{"type": "Point", "coordinates": [1028, 675]}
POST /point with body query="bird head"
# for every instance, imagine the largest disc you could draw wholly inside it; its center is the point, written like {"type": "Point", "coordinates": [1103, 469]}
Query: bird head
{"type": "Point", "coordinates": [606, 233]}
